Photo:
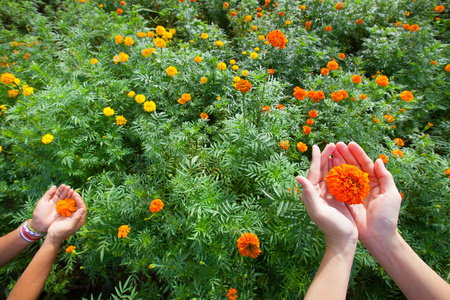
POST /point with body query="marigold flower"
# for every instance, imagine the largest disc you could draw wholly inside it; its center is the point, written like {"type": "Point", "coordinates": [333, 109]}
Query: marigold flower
{"type": "Point", "coordinates": [248, 245]}
{"type": "Point", "coordinates": [123, 57]}
{"type": "Point", "coordinates": [149, 106]}
{"type": "Point", "coordinates": [284, 145]}
{"type": "Point", "coordinates": [139, 98]}
{"type": "Point", "coordinates": [122, 3]}
{"type": "Point", "coordinates": [141, 34]}
{"type": "Point", "coordinates": [406, 26]}
{"type": "Point", "coordinates": [376, 120]}
{"type": "Point", "coordinates": [3, 107]}
{"type": "Point", "coordinates": [219, 43]}
{"type": "Point", "coordinates": [1, 148]}
{"type": "Point", "coordinates": [302, 147]}
{"type": "Point", "coordinates": [150, 34]}
{"type": "Point", "coordinates": [324, 71]}
{"type": "Point", "coordinates": [277, 39]}
{"type": "Point", "coordinates": [439, 9]}
{"type": "Point", "coordinates": [310, 94]}
{"type": "Point", "coordinates": [332, 65]}
{"type": "Point", "coordinates": [204, 116]}
{"type": "Point", "coordinates": [245, 73]}
{"type": "Point", "coordinates": [147, 52]}
{"type": "Point", "coordinates": [359, 22]}
{"type": "Point", "coordinates": [348, 184]}
{"type": "Point", "coordinates": [225, 5]}
{"type": "Point", "coordinates": [70, 249]}
{"type": "Point", "coordinates": [281, 13]}
{"type": "Point", "coordinates": [47, 139]}
{"type": "Point", "coordinates": [13, 93]}
{"type": "Point", "coordinates": [243, 85]}
{"type": "Point", "coordinates": [319, 95]}
{"type": "Point", "coordinates": [128, 41]}
{"type": "Point", "coordinates": [261, 38]}
{"type": "Point", "coordinates": [235, 67]}
{"type": "Point", "coordinates": [339, 95]}
{"type": "Point", "coordinates": [398, 153]}
{"type": "Point", "coordinates": [414, 27]}
{"type": "Point", "coordinates": [198, 59]}
{"type": "Point", "coordinates": [232, 294]}
{"type": "Point", "coordinates": [310, 122]}
{"type": "Point", "coordinates": [7, 78]}
{"type": "Point", "coordinates": [429, 124]}
{"type": "Point", "coordinates": [299, 93]}
{"type": "Point", "coordinates": [384, 158]}
{"type": "Point", "coordinates": [248, 18]}
{"type": "Point", "coordinates": [382, 80]}
{"type": "Point", "coordinates": [221, 66]}
{"type": "Point", "coordinates": [156, 205]}
{"type": "Point", "coordinates": [339, 6]}
{"type": "Point", "coordinates": [119, 11]}
{"type": "Point", "coordinates": [124, 230]}
{"type": "Point", "coordinates": [66, 206]}
{"type": "Point", "coordinates": [356, 79]}
{"type": "Point", "coordinates": [120, 120]}
{"type": "Point", "coordinates": [302, 7]}
{"type": "Point", "coordinates": [184, 98]}
{"type": "Point", "coordinates": [131, 94]}
{"type": "Point", "coordinates": [447, 68]}
{"type": "Point", "coordinates": [312, 114]}
{"type": "Point", "coordinates": [308, 25]}
{"type": "Point", "coordinates": [171, 71]}
{"type": "Point", "coordinates": [233, 14]}
{"type": "Point", "coordinates": [94, 61]}
{"type": "Point", "coordinates": [328, 28]}
{"type": "Point", "coordinates": [271, 71]}
{"type": "Point", "coordinates": [433, 62]}
{"type": "Point", "coordinates": [254, 55]}
{"type": "Point", "coordinates": [341, 55]}
{"type": "Point", "coordinates": [108, 111]}
{"type": "Point", "coordinates": [399, 142]}
{"type": "Point", "coordinates": [407, 13]}
{"type": "Point", "coordinates": [265, 109]}
{"type": "Point", "coordinates": [159, 43]}
{"type": "Point", "coordinates": [447, 172]}
{"type": "Point", "coordinates": [362, 97]}
{"type": "Point", "coordinates": [288, 22]}
{"type": "Point", "coordinates": [280, 106]}
{"type": "Point", "coordinates": [389, 118]}
{"type": "Point", "coordinates": [160, 30]}
{"type": "Point", "coordinates": [406, 96]}
{"type": "Point", "coordinates": [306, 129]}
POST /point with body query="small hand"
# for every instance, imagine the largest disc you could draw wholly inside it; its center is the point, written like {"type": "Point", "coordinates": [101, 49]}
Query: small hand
{"type": "Point", "coordinates": [45, 213]}
{"type": "Point", "coordinates": [378, 217]}
{"type": "Point", "coordinates": [330, 215]}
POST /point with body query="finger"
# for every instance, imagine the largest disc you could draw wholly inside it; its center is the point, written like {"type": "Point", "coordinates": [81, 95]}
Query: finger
{"type": "Point", "coordinates": [79, 218]}
{"type": "Point", "coordinates": [314, 170]}
{"type": "Point", "coordinates": [384, 177]}
{"type": "Point", "coordinates": [364, 161]}
{"type": "Point", "coordinates": [49, 194]}
{"type": "Point", "coordinates": [347, 155]}
{"type": "Point", "coordinates": [310, 194]}
{"type": "Point", "coordinates": [80, 204]}
{"type": "Point", "coordinates": [58, 193]}
{"type": "Point", "coordinates": [65, 192]}
{"type": "Point", "coordinates": [325, 160]}
{"type": "Point", "coordinates": [338, 159]}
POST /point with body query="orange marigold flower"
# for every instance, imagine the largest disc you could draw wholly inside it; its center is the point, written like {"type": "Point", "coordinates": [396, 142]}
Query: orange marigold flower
{"type": "Point", "coordinates": [398, 153]}
{"type": "Point", "coordinates": [389, 118]}
{"type": "Point", "coordinates": [13, 93]}
{"type": "Point", "coordinates": [402, 195]}
{"type": "Point", "coordinates": [433, 62]}
{"type": "Point", "coordinates": [248, 18]}
{"type": "Point", "coordinates": [414, 27]}
{"type": "Point", "coordinates": [284, 145]}
{"type": "Point", "coordinates": [265, 108]}
{"type": "Point", "coordinates": [248, 245]}
{"type": "Point", "coordinates": [70, 249]}
{"type": "Point", "coordinates": [309, 122]}
{"type": "Point", "coordinates": [359, 22]}
{"type": "Point", "coordinates": [312, 113]}
{"type": "Point", "coordinates": [122, 3]}
{"type": "Point", "coordinates": [204, 116]}
{"type": "Point", "coordinates": [156, 205]}
{"type": "Point", "coordinates": [406, 26]}
{"type": "Point", "coordinates": [399, 142]}
{"type": "Point", "coordinates": [124, 230]}
{"type": "Point", "coordinates": [258, 9]}
{"type": "Point", "coordinates": [306, 129]}
{"type": "Point", "coordinates": [429, 124]}
{"type": "Point", "coordinates": [382, 80]}
{"type": "Point", "coordinates": [233, 14]}
{"type": "Point", "coordinates": [308, 25]}
{"type": "Point", "coordinates": [324, 71]}
{"type": "Point", "coordinates": [225, 5]}
{"type": "Point", "coordinates": [259, 15]}
{"type": "Point", "coordinates": [376, 120]}
{"type": "Point", "coordinates": [332, 65]}
{"type": "Point", "coordinates": [362, 96]}
{"type": "Point", "coordinates": [299, 93]}
{"type": "Point", "coordinates": [356, 79]}
{"type": "Point", "coordinates": [281, 13]}
{"type": "Point", "coordinates": [271, 71]}
{"type": "Point", "coordinates": [447, 68]}
{"type": "Point", "coordinates": [348, 184]}
{"type": "Point", "coordinates": [302, 147]}
{"type": "Point", "coordinates": [277, 39]}
{"type": "Point", "coordinates": [280, 106]}
{"type": "Point", "coordinates": [232, 294]}
{"type": "Point", "coordinates": [319, 95]}
{"type": "Point", "coordinates": [66, 206]}
{"type": "Point", "coordinates": [439, 9]}
{"type": "Point", "coordinates": [447, 172]}
{"type": "Point", "coordinates": [310, 94]}
{"type": "Point", "coordinates": [406, 96]}
{"type": "Point", "coordinates": [384, 158]}
{"type": "Point", "coordinates": [7, 78]}
{"type": "Point", "coordinates": [341, 55]}
{"type": "Point", "coordinates": [339, 95]}
{"type": "Point", "coordinates": [328, 28]}
{"type": "Point", "coordinates": [339, 6]}
{"type": "Point", "coordinates": [243, 85]}
{"type": "Point", "coordinates": [184, 98]}
{"type": "Point", "coordinates": [119, 11]}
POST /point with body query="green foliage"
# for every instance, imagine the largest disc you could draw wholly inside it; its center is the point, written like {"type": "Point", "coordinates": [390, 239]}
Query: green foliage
{"type": "Point", "coordinates": [226, 175]}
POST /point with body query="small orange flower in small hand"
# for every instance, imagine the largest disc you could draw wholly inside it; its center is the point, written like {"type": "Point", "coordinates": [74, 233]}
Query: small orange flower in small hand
{"type": "Point", "coordinates": [66, 206]}
{"type": "Point", "coordinates": [348, 184]}
{"type": "Point", "coordinates": [156, 205]}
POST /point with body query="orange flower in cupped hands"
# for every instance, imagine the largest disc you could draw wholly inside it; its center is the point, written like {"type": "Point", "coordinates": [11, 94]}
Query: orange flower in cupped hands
{"type": "Point", "coordinates": [312, 113]}
{"type": "Point", "coordinates": [244, 86]}
{"type": "Point", "coordinates": [382, 81]}
{"type": "Point", "coordinates": [306, 129]}
{"type": "Point", "coordinates": [248, 245]}
{"type": "Point", "coordinates": [124, 230]}
{"type": "Point", "coordinates": [348, 184]}
{"type": "Point", "coordinates": [332, 65]}
{"type": "Point", "coordinates": [232, 294]}
{"type": "Point", "coordinates": [399, 142]}
{"type": "Point", "coordinates": [302, 147]}
{"type": "Point", "coordinates": [406, 96]}
{"type": "Point", "coordinates": [284, 145]}
{"type": "Point", "coordinates": [384, 158]}
{"type": "Point", "coordinates": [398, 153]}
{"type": "Point", "coordinates": [439, 9]}
{"type": "Point", "coordinates": [70, 249]}
{"type": "Point", "coordinates": [299, 93]}
{"type": "Point", "coordinates": [156, 205]}
{"type": "Point", "coordinates": [277, 39]}
{"type": "Point", "coordinates": [66, 206]}
{"type": "Point", "coordinates": [356, 79]}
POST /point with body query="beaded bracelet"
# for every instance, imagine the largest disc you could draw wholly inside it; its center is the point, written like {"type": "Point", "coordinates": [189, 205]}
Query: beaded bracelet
{"type": "Point", "coordinates": [27, 237]}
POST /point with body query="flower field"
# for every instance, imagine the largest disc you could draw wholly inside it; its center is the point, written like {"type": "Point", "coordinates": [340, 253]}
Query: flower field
{"type": "Point", "coordinates": [183, 123]}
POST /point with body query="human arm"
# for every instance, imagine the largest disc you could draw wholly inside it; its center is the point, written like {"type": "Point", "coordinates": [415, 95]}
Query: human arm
{"type": "Point", "coordinates": [376, 221]}
{"type": "Point", "coordinates": [335, 220]}
{"type": "Point", "coordinates": [32, 281]}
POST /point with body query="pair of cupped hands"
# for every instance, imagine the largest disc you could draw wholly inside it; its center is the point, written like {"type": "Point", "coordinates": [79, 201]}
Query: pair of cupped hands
{"type": "Point", "coordinates": [341, 223]}
{"type": "Point", "coordinates": [46, 219]}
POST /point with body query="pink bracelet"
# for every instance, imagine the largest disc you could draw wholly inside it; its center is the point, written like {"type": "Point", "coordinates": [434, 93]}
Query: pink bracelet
{"type": "Point", "coordinates": [25, 236]}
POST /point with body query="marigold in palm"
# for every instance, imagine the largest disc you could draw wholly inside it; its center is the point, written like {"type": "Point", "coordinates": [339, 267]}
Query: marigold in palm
{"type": "Point", "coordinates": [248, 245]}
{"type": "Point", "coordinates": [66, 206]}
{"type": "Point", "coordinates": [348, 184]}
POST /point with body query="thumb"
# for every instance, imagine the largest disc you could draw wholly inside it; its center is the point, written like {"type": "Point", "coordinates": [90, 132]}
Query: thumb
{"type": "Point", "coordinates": [49, 194]}
{"type": "Point", "coordinates": [309, 192]}
{"type": "Point", "coordinates": [79, 216]}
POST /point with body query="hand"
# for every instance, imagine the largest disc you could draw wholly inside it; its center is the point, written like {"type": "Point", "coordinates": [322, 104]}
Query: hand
{"type": "Point", "coordinates": [330, 215]}
{"type": "Point", "coordinates": [45, 213]}
{"type": "Point", "coordinates": [377, 218]}
{"type": "Point", "coordinates": [64, 227]}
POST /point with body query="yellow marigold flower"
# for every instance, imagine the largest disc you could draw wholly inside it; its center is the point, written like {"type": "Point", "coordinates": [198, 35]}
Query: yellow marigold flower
{"type": "Point", "coordinates": [149, 106]}
{"type": "Point", "coordinates": [120, 120]}
{"type": "Point", "coordinates": [17, 81]}
{"type": "Point", "coordinates": [219, 43]}
{"type": "Point", "coordinates": [198, 59]}
{"type": "Point", "coordinates": [204, 116]}
{"type": "Point", "coordinates": [203, 80]}
{"type": "Point", "coordinates": [236, 79]}
{"type": "Point", "coordinates": [406, 96]}
{"type": "Point", "coordinates": [284, 145]}
{"type": "Point", "coordinates": [65, 207]}
{"type": "Point", "coordinates": [254, 27]}
{"type": "Point", "coordinates": [398, 24]}
{"type": "Point", "coordinates": [115, 59]}
{"type": "Point", "coordinates": [204, 36]}
{"type": "Point", "coordinates": [171, 71]}
{"type": "Point", "coordinates": [235, 67]}
{"type": "Point", "coordinates": [147, 52]}
{"type": "Point", "coordinates": [389, 118]}
{"type": "Point", "coordinates": [129, 41]}
{"type": "Point", "coordinates": [244, 52]}
{"type": "Point", "coordinates": [221, 66]}
{"type": "Point", "coordinates": [232, 62]}
{"type": "Point", "coordinates": [254, 55]}
{"type": "Point", "coordinates": [156, 205]}
{"type": "Point", "coordinates": [150, 34]}
{"type": "Point", "coordinates": [232, 294]}
{"type": "Point", "coordinates": [47, 139]}
{"type": "Point", "coordinates": [118, 39]}
{"type": "Point", "coordinates": [160, 30]}
{"type": "Point", "coordinates": [131, 94]}
{"type": "Point", "coordinates": [27, 90]}
{"type": "Point", "coordinates": [7, 78]}
{"type": "Point", "coordinates": [159, 43]}
{"type": "Point", "coordinates": [167, 36]}
{"type": "Point", "coordinates": [172, 31]}
{"type": "Point", "coordinates": [348, 184]}
{"type": "Point", "coordinates": [407, 13]}
{"type": "Point", "coordinates": [70, 249]}
{"type": "Point", "coordinates": [248, 245]}
{"type": "Point", "coordinates": [261, 38]}
{"type": "Point", "coordinates": [142, 34]}
{"type": "Point", "coordinates": [302, 147]}
{"type": "Point", "coordinates": [382, 81]}
{"type": "Point", "coordinates": [139, 98]}
{"type": "Point", "coordinates": [3, 107]}
{"type": "Point", "coordinates": [94, 61]}
{"type": "Point", "coordinates": [1, 148]}
{"type": "Point", "coordinates": [362, 97]}
{"type": "Point", "coordinates": [245, 73]}
{"type": "Point", "coordinates": [123, 57]}
{"type": "Point", "coordinates": [302, 7]}
{"type": "Point", "coordinates": [124, 230]}
{"type": "Point", "coordinates": [108, 111]}
{"type": "Point", "coordinates": [248, 18]}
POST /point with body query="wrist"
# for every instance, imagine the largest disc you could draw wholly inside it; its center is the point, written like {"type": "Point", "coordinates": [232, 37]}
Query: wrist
{"type": "Point", "coordinates": [37, 227]}
{"type": "Point", "coordinates": [346, 248]}
{"type": "Point", "coordinates": [384, 245]}
{"type": "Point", "coordinates": [51, 239]}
